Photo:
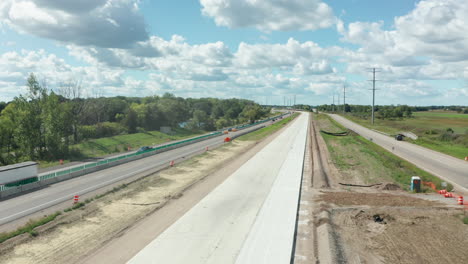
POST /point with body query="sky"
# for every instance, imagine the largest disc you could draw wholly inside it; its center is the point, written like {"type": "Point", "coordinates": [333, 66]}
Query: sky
{"type": "Point", "coordinates": [263, 50]}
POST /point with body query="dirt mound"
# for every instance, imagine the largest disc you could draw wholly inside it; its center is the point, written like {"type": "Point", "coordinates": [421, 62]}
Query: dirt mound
{"type": "Point", "coordinates": [419, 235]}
{"type": "Point", "coordinates": [374, 199]}
{"type": "Point", "coordinates": [389, 187]}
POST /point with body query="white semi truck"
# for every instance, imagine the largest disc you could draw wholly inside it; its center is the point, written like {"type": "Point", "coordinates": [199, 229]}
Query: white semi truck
{"type": "Point", "coordinates": [19, 173]}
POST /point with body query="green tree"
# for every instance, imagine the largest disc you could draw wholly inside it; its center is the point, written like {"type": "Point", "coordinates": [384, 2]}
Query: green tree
{"type": "Point", "coordinates": [131, 121]}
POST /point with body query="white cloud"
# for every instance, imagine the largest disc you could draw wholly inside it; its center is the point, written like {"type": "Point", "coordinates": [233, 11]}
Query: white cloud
{"type": "Point", "coordinates": [321, 88]}
{"type": "Point", "coordinates": [435, 29]}
{"type": "Point", "coordinates": [15, 68]}
{"type": "Point", "coordinates": [322, 67]}
{"type": "Point", "coordinates": [270, 15]}
{"type": "Point", "coordinates": [279, 55]}
{"type": "Point", "coordinates": [101, 23]}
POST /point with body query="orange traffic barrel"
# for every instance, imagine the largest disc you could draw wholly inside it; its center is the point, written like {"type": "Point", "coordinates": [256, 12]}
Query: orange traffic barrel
{"type": "Point", "coordinates": [76, 199]}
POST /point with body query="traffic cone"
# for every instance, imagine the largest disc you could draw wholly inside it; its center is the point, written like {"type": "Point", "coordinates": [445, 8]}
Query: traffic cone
{"type": "Point", "coordinates": [460, 200]}
{"type": "Point", "coordinates": [76, 199]}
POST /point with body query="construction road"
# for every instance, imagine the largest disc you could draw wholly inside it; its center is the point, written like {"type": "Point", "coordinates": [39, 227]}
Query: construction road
{"type": "Point", "coordinates": [249, 218]}
{"type": "Point", "coordinates": [42, 201]}
{"type": "Point", "coordinates": [444, 166]}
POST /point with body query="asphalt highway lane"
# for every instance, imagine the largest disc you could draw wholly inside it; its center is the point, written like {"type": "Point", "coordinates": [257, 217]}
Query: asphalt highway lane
{"type": "Point", "coordinates": [29, 203]}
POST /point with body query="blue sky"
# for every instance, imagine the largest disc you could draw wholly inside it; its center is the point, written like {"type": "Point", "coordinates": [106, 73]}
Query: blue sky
{"type": "Point", "coordinates": [261, 50]}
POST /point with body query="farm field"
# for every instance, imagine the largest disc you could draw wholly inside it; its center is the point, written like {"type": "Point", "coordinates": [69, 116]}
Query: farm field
{"type": "Point", "coordinates": [442, 131]}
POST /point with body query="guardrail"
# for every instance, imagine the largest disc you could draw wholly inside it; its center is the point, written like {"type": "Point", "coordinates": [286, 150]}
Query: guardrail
{"type": "Point", "coordinates": [110, 162]}
{"type": "Point", "coordinates": [86, 168]}
{"type": "Point", "coordinates": [260, 122]}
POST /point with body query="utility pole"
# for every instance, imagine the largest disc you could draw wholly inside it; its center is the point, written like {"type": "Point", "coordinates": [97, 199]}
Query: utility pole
{"type": "Point", "coordinates": [373, 93]}
{"type": "Point", "coordinates": [333, 105]}
{"type": "Point", "coordinates": [294, 99]}
{"type": "Point", "coordinates": [338, 108]}
{"type": "Point", "coordinates": [344, 99]}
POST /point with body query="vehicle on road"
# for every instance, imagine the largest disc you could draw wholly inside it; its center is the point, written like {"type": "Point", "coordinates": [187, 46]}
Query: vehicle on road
{"type": "Point", "coordinates": [144, 148]}
{"type": "Point", "coordinates": [17, 174]}
{"type": "Point", "coordinates": [399, 137]}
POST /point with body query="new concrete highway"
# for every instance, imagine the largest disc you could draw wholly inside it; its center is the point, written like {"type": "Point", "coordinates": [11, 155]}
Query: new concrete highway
{"type": "Point", "coordinates": [29, 203]}
{"type": "Point", "coordinates": [249, 218]}
{"type": "Point", "coordinates": [444, 166]}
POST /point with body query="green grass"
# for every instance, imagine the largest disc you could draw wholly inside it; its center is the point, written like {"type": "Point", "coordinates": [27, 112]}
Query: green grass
{"type": "Point", "coordinates": [429, 126]}
{"type": "Point", "coordinates": [266, 131]}
{"type": "Point", "coordinates": [115, 144]}
{"type": "Point", "coordinates": [109, 145]}
{"type": "Point", "coordinates": [437, 114]}
{"type": "Point", "coordinates": [370, 161]}
{"type": "Point", "coordinates": [29, 227]}
{"type": "Point", "coordinates": [465, 220]}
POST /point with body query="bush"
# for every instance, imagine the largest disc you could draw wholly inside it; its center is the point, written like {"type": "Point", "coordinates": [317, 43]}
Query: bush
{"type": "Point", "coordinates": [447, 136]}
{"type": "Point", "coordinates": [106, 129]}
{"type": "Point", "coordinates": [431, 132]}
{"type": "Point", "coordinates": [87, 132]}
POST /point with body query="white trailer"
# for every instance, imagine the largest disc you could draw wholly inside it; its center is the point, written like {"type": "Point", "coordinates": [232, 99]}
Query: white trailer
{"type": "Point", "coordinates": [17, 172]}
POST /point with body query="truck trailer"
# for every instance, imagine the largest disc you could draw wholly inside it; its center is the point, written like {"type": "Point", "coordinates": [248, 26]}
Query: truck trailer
{"type": "Point", "coordinates": [17, 174]}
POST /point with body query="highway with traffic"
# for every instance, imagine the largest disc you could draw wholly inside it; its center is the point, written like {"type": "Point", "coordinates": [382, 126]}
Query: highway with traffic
{"type": "Point", "coordinates": [444, 166]}
{"type": "Point", "coordinates": [54, 194]}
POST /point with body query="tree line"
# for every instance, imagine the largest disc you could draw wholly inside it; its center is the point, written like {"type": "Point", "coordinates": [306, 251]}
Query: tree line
{"type": "Point", "coordinates": [364, 111]}
{"type": "Point", "coordinates": [43, 124]}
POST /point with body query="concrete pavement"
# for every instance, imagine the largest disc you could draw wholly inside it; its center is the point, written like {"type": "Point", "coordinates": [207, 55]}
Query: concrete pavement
{"type": "Point", "coordinates": [229, 223]}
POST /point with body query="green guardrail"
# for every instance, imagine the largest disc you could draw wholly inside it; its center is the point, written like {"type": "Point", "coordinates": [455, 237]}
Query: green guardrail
{"type": "Point", "coordinates": [106, 161]}
{"type": "Point", "coordinates": [102, 162]}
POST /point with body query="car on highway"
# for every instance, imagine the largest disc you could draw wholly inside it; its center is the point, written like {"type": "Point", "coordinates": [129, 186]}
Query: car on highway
{"type": "Point", "coordinates": [144, 148]}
